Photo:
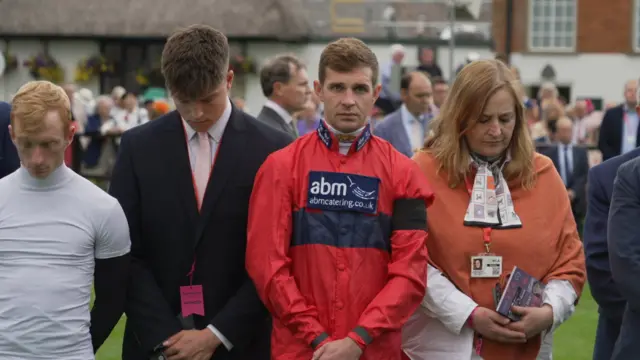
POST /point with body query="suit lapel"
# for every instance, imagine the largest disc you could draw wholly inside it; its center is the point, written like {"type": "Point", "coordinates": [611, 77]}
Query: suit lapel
{"type": "Point", "coordinates": [619, 129]}
{"type": "Point", "coordinates": [556, 158]}
{"type": "Point", "coordinates": [230, 149]}
{"type": "Point", "coordinates": [577, 159]}
{"type": "Point", "coordinates": [403, 137]}
{"type": "Point", "coordinates": [638, 132]}
{"type": "Point", "coordinates": [278, 120]}
{"type": "Point", "coordinates": [178, 165]}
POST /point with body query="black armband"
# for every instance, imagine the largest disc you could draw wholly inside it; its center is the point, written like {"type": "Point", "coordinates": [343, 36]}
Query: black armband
{"type": "Point", "coordinates": [409, 214]}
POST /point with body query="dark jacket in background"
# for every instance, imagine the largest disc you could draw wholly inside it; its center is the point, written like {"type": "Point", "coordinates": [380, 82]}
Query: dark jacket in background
{"type": "Point", "coordinates": [9, 161]}
{"type": "Point", "coordinates": [604, 290]}
{"type": "Point", "coordinates": [610, 138]}
{"type": "Point", "coordinates": [91, 155]}
{"type": "Point", "coordinates": [433, 70]}
{"type": "Point", "coordinates": [270, 117]}
{"type": "Point", "coordinates": [623, 236]}
{"type": "Point", "coordinates": [578, 178]}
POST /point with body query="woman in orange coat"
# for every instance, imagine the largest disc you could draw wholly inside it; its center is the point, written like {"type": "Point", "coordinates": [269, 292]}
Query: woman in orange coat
{"type": "Point", "coordinates": [497, 201]}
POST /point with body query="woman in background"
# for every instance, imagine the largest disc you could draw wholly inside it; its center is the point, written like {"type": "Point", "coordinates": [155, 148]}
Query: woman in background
{"type": "Point", "coordinates": [498, 201]}
{"type": "Point", "coordinates": [542, 131]}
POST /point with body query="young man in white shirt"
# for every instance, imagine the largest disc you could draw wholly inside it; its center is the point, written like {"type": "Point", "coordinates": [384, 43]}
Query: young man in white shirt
{"type": "Point", "coordinates": [56, 230]}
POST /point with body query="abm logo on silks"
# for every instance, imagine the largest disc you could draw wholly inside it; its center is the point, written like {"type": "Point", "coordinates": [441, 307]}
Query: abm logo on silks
{"type": "Point", "coordinates": [343, 192]}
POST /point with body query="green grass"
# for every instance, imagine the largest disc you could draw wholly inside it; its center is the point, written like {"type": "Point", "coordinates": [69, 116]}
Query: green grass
{"type": "Point", "coordinates": [573, 340]}
{"type": "Point", "coordinates": [112, 348]}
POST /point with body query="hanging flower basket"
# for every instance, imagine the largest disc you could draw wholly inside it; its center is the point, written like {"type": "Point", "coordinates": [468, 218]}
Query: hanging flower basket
{"type": "Point", "coordinates": [11, 62]}
{"type": "Point", "coordinates": [242, 65]}
{"type": "Point", "coordinates": [93, 66]}
{"type": "Point", "coordinates": [45, 67]}
{"type": "Point", "coordinates": [150, 77]}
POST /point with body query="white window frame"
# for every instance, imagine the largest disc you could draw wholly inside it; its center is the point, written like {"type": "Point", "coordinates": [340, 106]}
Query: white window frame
{"type": "Point", "coordinates": [552, 48]}
{"type": "Point", "coordinates": [635, 18]}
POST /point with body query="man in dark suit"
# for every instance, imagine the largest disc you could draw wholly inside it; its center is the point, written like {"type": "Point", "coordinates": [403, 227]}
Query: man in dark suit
{"type": "Point", "coordinates": [623, 235]}
{"type": "Point", "coordinates": [604, 290]}
{"type": "Point", "coordinates": [285, 83]}
{"type": "Point", "coordinates": [184, 182]}
{"type": "Point", "coordinates": [619, 131]}
{"type": "Point", "coordinates": [9, 161]}
{"type": "Point", "coordinates": [572, 162]}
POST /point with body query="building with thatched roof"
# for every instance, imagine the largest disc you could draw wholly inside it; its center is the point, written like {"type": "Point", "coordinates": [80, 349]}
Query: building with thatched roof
{"type": "Point", "coordinates": [130, 34]}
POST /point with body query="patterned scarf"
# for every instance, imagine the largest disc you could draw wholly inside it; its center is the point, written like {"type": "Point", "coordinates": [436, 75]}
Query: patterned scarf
{"type": "Point", "coordinates": [491, 204]}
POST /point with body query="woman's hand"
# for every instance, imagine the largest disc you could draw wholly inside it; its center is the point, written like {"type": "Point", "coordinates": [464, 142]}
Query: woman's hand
{"type": "Point", "coordinates": [494, 326]}
{"type": "Point", "coordinates": [533, 321]}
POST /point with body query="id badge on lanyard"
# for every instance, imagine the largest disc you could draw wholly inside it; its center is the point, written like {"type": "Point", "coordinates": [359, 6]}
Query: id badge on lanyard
{"type": "Point", "coordinates": [191, 297]}
{"type": "Point", "coordinates": [486, 264]}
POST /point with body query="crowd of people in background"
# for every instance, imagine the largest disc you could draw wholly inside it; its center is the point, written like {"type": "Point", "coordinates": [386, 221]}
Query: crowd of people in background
{"type": "Point", "coordinates": [101, 119]}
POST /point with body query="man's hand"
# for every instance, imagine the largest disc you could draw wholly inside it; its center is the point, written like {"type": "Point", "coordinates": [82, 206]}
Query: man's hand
{"type": "Point", "coordinates": [534, 319]}
{"type": "Point", "coordinates": [572, 194]}
{"type": "Point", "coordinates": [191, 345]}
{"type": "Point", "coordinates": [345, 349]}
{"type": "Point", "coordinates": [493, 326]}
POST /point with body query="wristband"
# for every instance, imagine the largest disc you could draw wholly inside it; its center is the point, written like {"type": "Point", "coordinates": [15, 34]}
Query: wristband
{"type": "Point", "coordinates": [470, 318]}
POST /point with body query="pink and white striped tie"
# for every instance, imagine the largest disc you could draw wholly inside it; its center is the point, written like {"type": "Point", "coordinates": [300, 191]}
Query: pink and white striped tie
{"type": "Point", "coordinates": [203, 165]}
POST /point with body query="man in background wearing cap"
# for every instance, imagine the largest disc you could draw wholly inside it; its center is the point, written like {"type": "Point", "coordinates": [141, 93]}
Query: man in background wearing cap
{"type": "Point", "coordinates": [9, 161]}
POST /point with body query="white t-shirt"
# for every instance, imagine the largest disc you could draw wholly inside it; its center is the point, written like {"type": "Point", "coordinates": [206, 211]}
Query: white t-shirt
{"type": "Point", "coordinates": [51, 232]}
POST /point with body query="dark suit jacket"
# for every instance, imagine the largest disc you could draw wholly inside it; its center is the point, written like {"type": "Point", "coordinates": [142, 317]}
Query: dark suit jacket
{"type": "Point", "coordinates": [268, 116]}
{"type": "Point", "coordinates": [610, 138]}
{"type": "Point", "coordinates": [391, 128]}
{"type": "Point", "coordinates": [91, 156]}
{"type": "Point", "coordinates": [600, 187]}
{"type": "Point", "coordinates": [604, 290]}
{"type": "Point", "coordinates": [9, 161]}
{"type": "Point", "coordinates": [624, 253]}
{"type": "Point", "coordinates": [579, 177]}
{"type": "Point", "coordinates": [153, 182]}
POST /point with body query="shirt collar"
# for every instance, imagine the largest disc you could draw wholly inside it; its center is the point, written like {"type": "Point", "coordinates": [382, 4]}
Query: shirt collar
{"type": "Point", "coordinates": [57, 178]}
{"type": "Point", "coordinates": [629, 110]}
{"type": "Point", "coordinates": [408, 117]}
{"type": "Point", "coordinates": [284, 114]}
{"type": "Point", "coordinates": [218, 127]}
{"type": "Point", "coordinates": [565, 146]}
{"type": "Point", "coordinates": [327, 135]}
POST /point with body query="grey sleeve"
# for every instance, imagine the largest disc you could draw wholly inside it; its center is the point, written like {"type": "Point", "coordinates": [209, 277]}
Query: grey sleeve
{"type": "Point", "coordinates": [112, 238]}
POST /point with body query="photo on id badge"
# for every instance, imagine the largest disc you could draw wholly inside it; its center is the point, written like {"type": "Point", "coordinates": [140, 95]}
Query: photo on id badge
{"type": "Point", "coordinates": [486, 266]}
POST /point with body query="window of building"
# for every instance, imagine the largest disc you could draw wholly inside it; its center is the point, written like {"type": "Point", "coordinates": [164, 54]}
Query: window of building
{"type": "Point", "coordinates": [636, 25]}
{"type": "Point", "coordinates": [552, 25]}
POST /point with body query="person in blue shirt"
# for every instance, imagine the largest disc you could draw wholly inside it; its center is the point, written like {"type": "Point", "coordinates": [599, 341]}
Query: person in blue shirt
{"type": "Point", "coordinates": [9, 161]}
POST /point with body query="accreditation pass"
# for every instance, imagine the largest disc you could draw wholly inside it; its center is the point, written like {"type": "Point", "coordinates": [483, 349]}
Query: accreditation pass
{"type": "Point", "coordinates": [486, 266]}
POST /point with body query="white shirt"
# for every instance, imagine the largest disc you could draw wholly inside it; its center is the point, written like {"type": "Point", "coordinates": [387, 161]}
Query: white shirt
{"type": "Point", "coordinates": [215, 135]}
{"type": "Point", "coordinates": [51, 232]}
{"type": "Point", "coordinates": [416, 128]}
{"type": "Point", "coordinates": [630, 123]}
{"type": "Point", "coordinates": [125, 120]}
{"type": "Point", "coordinates": [284, 114]}
{"type": "Point", "coordinates": [579, 131]}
